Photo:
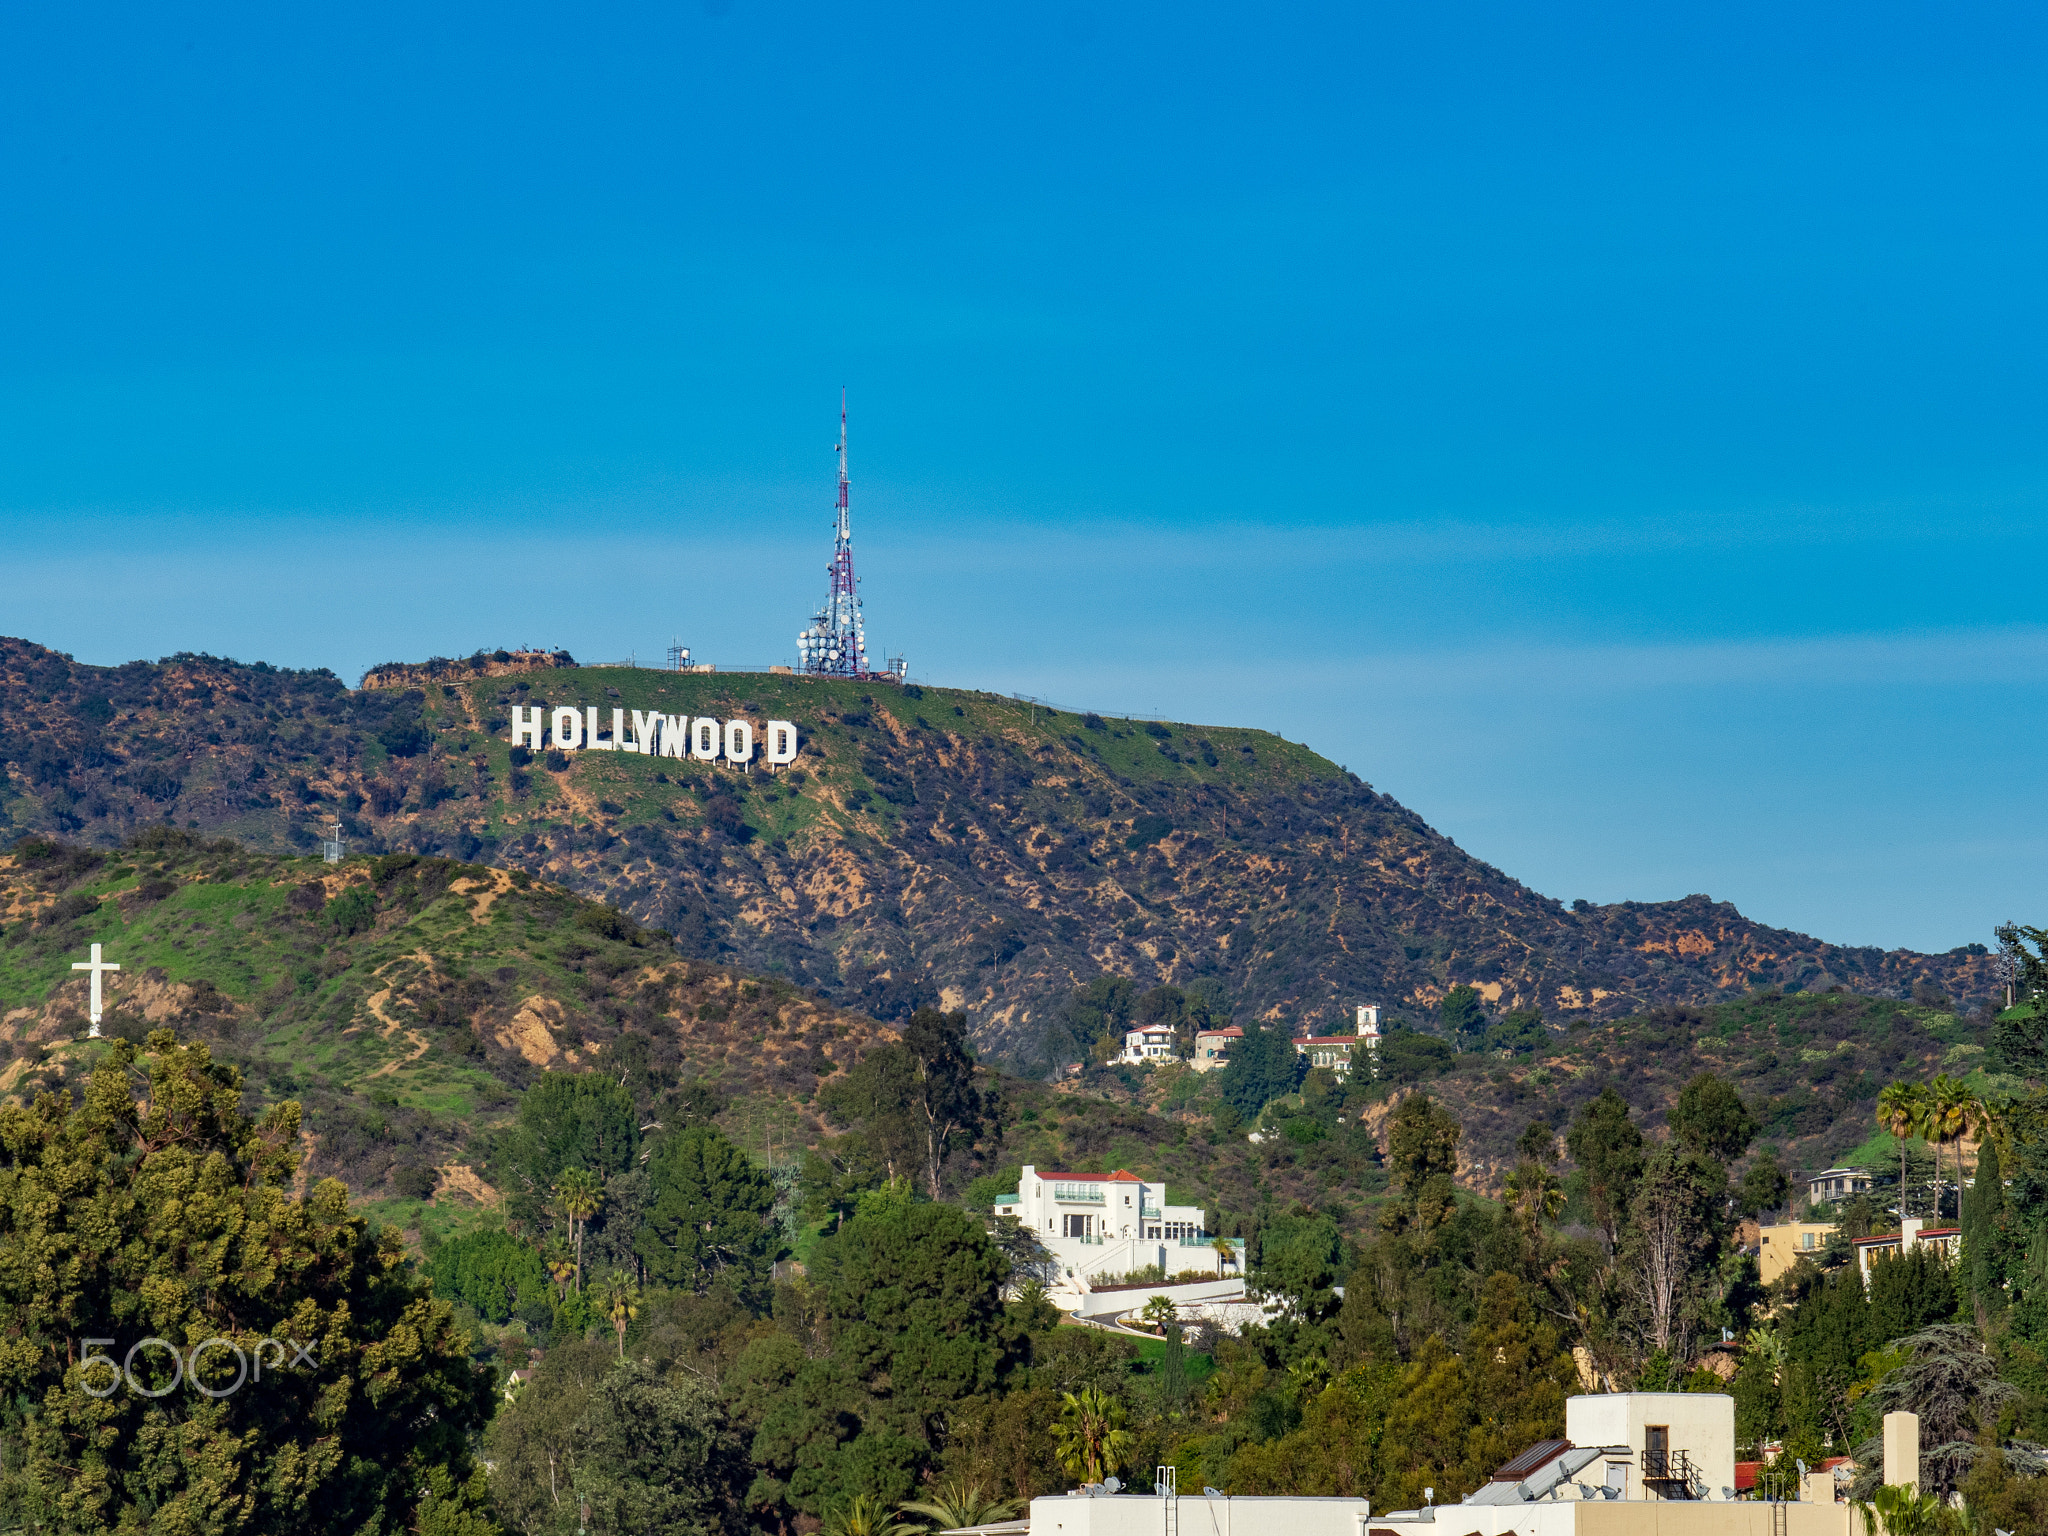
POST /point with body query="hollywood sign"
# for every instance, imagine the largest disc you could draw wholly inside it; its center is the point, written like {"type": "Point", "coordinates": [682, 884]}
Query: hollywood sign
{"type": "Point", "coordinates": [570, 729]}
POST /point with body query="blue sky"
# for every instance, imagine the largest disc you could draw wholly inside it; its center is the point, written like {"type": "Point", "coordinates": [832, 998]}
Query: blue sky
{"type": "Point", "coordinates": [1617, 433]}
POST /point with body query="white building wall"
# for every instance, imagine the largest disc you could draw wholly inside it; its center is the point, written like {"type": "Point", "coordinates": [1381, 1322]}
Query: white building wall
{"type": "Point", "coordinates": [1101, 1225]}
{"type": "Point", "coordinates": [1152, 1044]}
{"type": "Point", "coordinates": [1701, 1424]}
{"type": "Point", "coordinates": [1146, 1515]}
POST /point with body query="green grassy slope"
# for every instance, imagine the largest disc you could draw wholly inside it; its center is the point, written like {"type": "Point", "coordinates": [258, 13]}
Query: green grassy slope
{"type": "Point", "coordinates": [404, 1001]}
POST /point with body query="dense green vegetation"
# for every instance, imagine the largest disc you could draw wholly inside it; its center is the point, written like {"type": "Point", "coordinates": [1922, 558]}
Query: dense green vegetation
{"type": "Point", "coordinates": [717, 1251]}
{"type": "Point", "coordinates": [1421, 1349]}
{"type": "Point", "coordinates": [635, 1207]}
{"type": "Point", "coordinates": [152, 1209]}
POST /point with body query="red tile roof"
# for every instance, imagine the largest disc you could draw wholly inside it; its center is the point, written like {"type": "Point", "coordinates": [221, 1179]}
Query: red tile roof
{"type": "Point", "coordinates": [1231, 1032]}
{"type": "Point", "coordinates": [1121, 1176]}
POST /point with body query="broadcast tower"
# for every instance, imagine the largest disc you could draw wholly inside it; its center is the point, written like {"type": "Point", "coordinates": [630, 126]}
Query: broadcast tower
{"type": "Point", "coordinates": [835, 645]}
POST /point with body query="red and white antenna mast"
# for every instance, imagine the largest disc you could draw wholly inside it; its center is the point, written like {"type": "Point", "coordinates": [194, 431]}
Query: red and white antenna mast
{"type": "Point", "coordinates": [835, 644]}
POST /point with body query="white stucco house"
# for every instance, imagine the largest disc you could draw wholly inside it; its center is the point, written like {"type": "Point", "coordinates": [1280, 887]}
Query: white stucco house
{"type": "Point", "coordinates": [1154, 1042]}
{"type": "Point", "coordinates": [1107, 1223]}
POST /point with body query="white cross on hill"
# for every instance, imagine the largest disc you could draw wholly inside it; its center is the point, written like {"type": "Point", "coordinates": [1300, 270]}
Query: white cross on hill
{"type": "Point", "coordinates": [98, 967]}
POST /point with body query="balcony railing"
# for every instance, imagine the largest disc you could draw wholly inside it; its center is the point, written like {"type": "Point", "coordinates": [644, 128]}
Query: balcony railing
{"type": "Point", "coordinates": [1150, 1213]}
{"type": "Point", "coordinates": [1092, 1237]}
{"type": "Point", "coordinates": [1671, 1472]}
{"type": "Point", "coordinates": [1079, 1194]}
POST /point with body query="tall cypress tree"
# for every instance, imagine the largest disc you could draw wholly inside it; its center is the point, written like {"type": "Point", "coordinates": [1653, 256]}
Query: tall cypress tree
{"type": "Point", "coordinates": [1982, 1275]}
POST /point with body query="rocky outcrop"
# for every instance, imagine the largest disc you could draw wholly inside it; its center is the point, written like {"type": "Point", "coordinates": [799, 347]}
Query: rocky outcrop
{"type": "Point", "coordinates": [442, 669]}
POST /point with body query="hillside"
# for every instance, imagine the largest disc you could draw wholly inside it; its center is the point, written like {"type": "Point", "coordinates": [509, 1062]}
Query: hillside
{"type": "Point", "coordinates": [929, 845]}
{"type": "Point", "coordinates": [404, 1001]}
{"type": "Point", "coordinates": [1809, 1065]}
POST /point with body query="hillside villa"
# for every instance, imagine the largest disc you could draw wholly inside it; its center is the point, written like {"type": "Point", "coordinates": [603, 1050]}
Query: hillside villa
{"type": "Point", "coordinates": [1339, 1052]}
{"type": "Point", "coordinates": [1108, 1223]}
{"type": "Point", "coordinates": [1780, 1247]}
{"type": "Point", "coordinates": [1831, 1186]}
{"type": "Point", "coordinates": [1913, 1233]}
{"type": "Point", "coordinates": [1154, 1042]}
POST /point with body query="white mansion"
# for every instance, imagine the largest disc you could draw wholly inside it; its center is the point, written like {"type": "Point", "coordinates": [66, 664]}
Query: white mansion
{"type": "Point", "coordinates": [1108, 1223]}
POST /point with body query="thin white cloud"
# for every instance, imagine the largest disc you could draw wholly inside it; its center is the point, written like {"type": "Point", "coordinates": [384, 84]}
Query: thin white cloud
{"type": "Point", "coordinates": [2015, 655]}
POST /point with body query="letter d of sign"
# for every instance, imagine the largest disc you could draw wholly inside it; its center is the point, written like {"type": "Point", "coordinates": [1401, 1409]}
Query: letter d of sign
{"type": "Point", "coordinates": [704, 740]}
{"type": "Point", "coordinates": [568, 728]}
{"type": "Point", "coordinates": [781, 743]}
{"type": "Point", "coordinates": [739, 742]}
{"type": "Point", "coordinates": [526, 726]}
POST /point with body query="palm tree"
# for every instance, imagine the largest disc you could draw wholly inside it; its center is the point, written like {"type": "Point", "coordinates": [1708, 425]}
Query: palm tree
{"type": "Point", "coordinates": [1764, 1343]}
{"type": "Point", "coordinates": [960, 1501]}
{"type": "Point", "coordinates": [1901, 1510]}
{"type": "Point", "coordinates": [1226, 1253]}
{"type": "Point", "coordinates": [1090, 1435]}
{"type": "Point", "coordinates": [1159, 1312]}
{"type": "Point", "coordinates": [560, 1263]}
{"type": "Point", "coordinates": [1989, 1123]}
{"type": "Point", "coordinates": [1898, 1111]}
{"type": "Point", "coordinates": [578, 1196]}
{"type": "Point", "coordinates": [864, 1515]}
{"type": "Point", "coordinates": [621, 1299]}
{"type": "Point", "coordinates": [1950, 1109]}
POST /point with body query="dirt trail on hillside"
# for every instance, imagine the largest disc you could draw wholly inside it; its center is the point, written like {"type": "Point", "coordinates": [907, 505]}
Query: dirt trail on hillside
{"type": "Point", "coordinates": [414, 1038]}
{"type": "Point", "coordinates": [483, 893]}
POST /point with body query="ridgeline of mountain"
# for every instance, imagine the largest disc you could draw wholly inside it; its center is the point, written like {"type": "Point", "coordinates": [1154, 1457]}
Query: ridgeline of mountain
{"type": "Point", "coordinates": [929, 845]}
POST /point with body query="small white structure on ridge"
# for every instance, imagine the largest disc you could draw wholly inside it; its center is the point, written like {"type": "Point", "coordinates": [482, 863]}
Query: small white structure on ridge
{"type": "Point", "coordinates": [97, 966]}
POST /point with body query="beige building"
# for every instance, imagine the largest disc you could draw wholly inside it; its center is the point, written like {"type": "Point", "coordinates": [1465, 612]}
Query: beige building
{"type": "Point", "coordinates": [1779, 1248]}
{"type": "Point", "coordinates": [1671, 1445]}
{"type": "Point", "coordinates": [1212, 1048]}
{"type": "Point", "coordinates": [1651, 1464]}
